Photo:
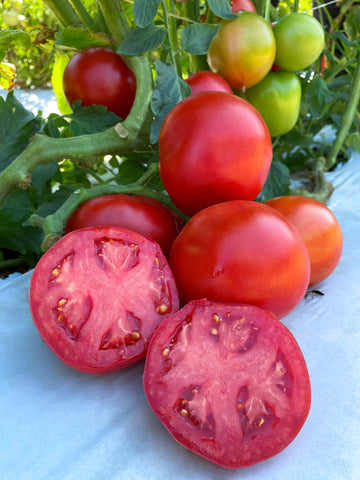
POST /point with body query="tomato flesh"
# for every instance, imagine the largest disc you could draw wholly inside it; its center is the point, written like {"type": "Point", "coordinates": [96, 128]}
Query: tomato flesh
{"type": "Point", "coordinates": [97, 296]}
{"type": "Point", "coordinates": [228, 381]}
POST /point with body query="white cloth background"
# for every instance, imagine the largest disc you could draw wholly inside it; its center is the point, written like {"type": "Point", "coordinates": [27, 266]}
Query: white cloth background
{"type": "Point", "coordinates": [58, 424]}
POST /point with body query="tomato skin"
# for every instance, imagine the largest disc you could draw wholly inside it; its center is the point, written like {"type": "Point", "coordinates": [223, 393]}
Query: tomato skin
{"type": "Point", "coordinates": [139, 213]}
{"type": "Point", "coordinates": [228, 381]}
{"type": "Point", "coordinates": [207, 81]}
{"type": "Point", "coordinates": [97, 296]}
{"type": "Point", "coordinates": [241, 251]}
{"type": "Point", "coordinates": [235, 55]}
{"type": "Point", "coordinates": [243, 5]}
{"type": "Point", "coordinates": [299, 39]}
{"type": "Point", "coordinates": [278, 98]}
{"type": "Point", "coordinates": [99, 76]}
{"type": "Point", "coordinates": [223, 153]}
{"type": "Point", "coordinates": [319, 229]}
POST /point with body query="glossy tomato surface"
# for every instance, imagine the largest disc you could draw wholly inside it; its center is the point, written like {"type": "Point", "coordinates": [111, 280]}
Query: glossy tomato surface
{"type": "Point", "coordinates": [97, 296]}
{"type": "Point", "coordinates": [242, 6]}
{"type": "Point", "coordinates": [241, 251]}
{"type": "Point", "coordinates": [228, 381]}
{"type": "Point", "coordinates": [319, 229]}
{"type": "Point", "coordinates": [278, 98]}
{"type": "Point", "coordinates": [142, 214]}
{"type": "Point", "coordinates": [99, 76]}
{"type": "Point", "coordinates": [300, 39]}
{"type": "Point", "coordinates": [243, 50]}
{"type": "Point", "coordinates": [207, 81]}
{"type": "Point", "coordinates": [214, 146]}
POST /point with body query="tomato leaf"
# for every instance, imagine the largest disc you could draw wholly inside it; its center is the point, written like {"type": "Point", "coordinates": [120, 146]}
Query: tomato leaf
{"type": "Point", "coordinates": [144, 11]}
{"type": "Point", "coordinates": [169, 90]}
{"type": "Point", "coordinates": [17, 126]}
{"type": "Point", "coordinates": [196, 38]}
{"type": "Point", "coordinates": [93, 119]}
{"type": "Point", "coordinates": [317, 96]}
{"type": "Point", "coordinates": [80, 38]}
{"type": "Point", "coordinates": [221, 8]}
{"type": "Point", "coordinates": [277, 182]}
{"type": "Point", "coordinates": [17, 37]}
{"type": "Point", "coordinates": [141, 40]}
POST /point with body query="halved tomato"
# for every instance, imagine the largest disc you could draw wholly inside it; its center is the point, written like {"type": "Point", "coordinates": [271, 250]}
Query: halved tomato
{"type": "Point", "coordinates": [97, 296]}
{"type": "Point", "coordinates": [228, 381]}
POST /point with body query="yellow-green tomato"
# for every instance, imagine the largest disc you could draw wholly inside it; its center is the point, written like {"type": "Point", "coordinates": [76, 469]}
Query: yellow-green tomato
{"type": "Point", "coordinates": [277, 98]}
{"type": "Point", "coordinates": [299, 39]}
{"type": "Point", "coordinates": [243, 50]}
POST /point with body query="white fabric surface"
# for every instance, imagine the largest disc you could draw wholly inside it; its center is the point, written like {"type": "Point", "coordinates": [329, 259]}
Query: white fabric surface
{"type": "Point", "coordinates": [58, 424]}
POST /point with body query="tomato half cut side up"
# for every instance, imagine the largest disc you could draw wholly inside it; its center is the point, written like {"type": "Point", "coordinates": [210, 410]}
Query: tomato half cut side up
{"type": "Point", "coordinates": [97, 296]}
{"type": "Point", "coordinates": [228, 381]}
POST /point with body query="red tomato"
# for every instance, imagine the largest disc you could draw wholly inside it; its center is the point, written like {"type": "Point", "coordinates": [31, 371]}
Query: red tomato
{"type": "Point", "coordinates": [99, 76]}
{"type": "Point", "coordinates": [243, 6]}
{"type": "Point", "coordinates": [97, 296]}
{"type": "Point", "coordinates": [228, 381]}
{"type": "Point", "coordinates": [142, 214]}
{"type": "Point", "coordinates": [207, 82]}
{"type": "Point", "coordinates": [241, 251]}
{"type": "Point", "coordinates": [214, 147]}
{"type": "Point", "coordinates": [243, 50]}
{"type": "Point", "coordinates": [319, 229]}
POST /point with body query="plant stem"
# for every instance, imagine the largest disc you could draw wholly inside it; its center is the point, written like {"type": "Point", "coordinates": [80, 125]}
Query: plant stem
{"type": "Point", "coordinates": [120, 139]}
{"type": "Point", "coordinates": [171, 28]}
{"type": "Point", "coordinates": [115, 18]}
{"type": "Point", "coordinates": [82, 12]}
{"type": "Point", "coordinates": [63, 11]}
{"type": "Point", "coordinates": [53, 225]}
{"type": "Point", "coordinates": [347, 118]}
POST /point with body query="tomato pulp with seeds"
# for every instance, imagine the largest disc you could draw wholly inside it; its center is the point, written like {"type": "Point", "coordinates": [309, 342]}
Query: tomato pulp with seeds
{"type": "Point", "coordinates": [97, 296]}
{"type": "Point", "coordinates": [228, 381]}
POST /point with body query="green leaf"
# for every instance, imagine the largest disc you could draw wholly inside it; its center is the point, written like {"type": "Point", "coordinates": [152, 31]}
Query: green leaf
{"type": "Point", "coordinates": [20, 239]}
{"type": "Point", "coordinates": [17, 127]}
{"type": "Point", "coordinates": [94, 119]}
{"type": "Point", "coordinates": [169, 90]}
{"type": "Point", "coordinates": [17, 37]}
{"type": "Point", "coordinates": [353, 141]}
{"type": "Point", "coordinates": [78, 38]}
{"type": "Point", "coordinates": [144, 11]}
{"type": "Point", "coordinates": [277, 182]}
{"type": "Point", "coordinates": [221, 8]}
{"type": "Point", "coordinates": [352, 23]}
{"type": "Point", "coordinates": [317, 96]}
{"type": "Point", "coordinates": [141, 40]}
{"type": "Point", "coordinates": [196, 37]}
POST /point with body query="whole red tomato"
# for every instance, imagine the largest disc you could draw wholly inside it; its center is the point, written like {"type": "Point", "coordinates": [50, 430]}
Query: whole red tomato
{"type": "Point", "coordinates": [99, 76]}
{"type": "Point", "coordinates": [243, 6]}
{"type": "Point", "coordinates": [241, 251]}
{"type": "Point", "coordinates": [243, 50]}
{"type": "Point", "coordinates": [207, 81]}
{"type": "Point", "coordinates": [214, 146]}
{"type": "Point", "coordinates": [142, 214]}
{"type": "Point", "coordinates": [319, 229]}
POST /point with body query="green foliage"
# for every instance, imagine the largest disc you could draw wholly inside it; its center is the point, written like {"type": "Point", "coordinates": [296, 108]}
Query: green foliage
{"type": "Point", "coordinates": [172, 37]}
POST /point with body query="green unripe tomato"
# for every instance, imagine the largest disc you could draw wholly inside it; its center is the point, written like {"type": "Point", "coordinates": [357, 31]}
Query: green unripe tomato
{"type": "Point", "coordinates": [299, 39]}
{"type": "Point", "coordinates": [277, 98]}
{"type": "Point", "coordinates": [243, 50]}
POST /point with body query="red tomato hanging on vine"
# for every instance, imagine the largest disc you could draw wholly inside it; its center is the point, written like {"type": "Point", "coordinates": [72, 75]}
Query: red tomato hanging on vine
{"type": "Point", "coordinates": [214, 147]}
